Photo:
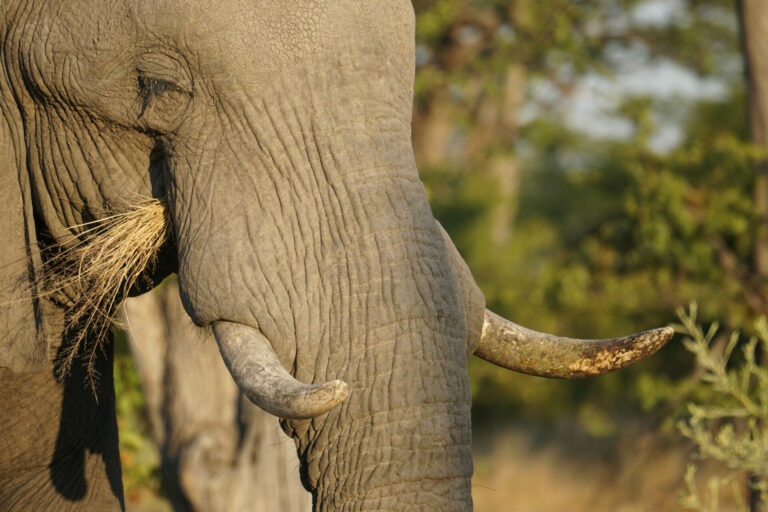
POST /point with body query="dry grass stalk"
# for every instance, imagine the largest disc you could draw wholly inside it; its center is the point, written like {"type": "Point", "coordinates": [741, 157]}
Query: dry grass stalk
{"type": "Point", "coordinates": [99, 270]}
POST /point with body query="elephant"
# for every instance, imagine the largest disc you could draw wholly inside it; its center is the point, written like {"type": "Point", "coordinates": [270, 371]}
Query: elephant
{"type": "Point", "coordinates": [276, 139]}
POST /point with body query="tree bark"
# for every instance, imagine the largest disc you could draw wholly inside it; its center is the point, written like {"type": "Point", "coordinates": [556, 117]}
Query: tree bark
{"type": "Point", "coordinates": [754, 27]}
{"type": "Point", "coordinates": [753, 20]}
{"type": "Point", "coordinates": [220, 453]}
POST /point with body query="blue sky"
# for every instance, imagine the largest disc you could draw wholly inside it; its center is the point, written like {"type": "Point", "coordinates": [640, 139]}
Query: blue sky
{"type": "Point", "coordinates": [589, 108]}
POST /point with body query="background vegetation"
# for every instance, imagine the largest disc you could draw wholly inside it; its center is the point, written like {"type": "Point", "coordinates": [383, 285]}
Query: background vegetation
{"type": "Point", "coordinates": [593, 162]}
{"type": "Point", "coordinates": [573, 229]}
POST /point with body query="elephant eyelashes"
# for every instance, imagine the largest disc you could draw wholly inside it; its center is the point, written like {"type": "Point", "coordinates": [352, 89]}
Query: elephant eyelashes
{"type": "Point", "coordinates": [162, 103]}
{"type": "Point", "coordinates": [155, 86]}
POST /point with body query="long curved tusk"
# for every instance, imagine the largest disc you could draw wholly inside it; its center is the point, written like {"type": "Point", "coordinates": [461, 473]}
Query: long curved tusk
{"type": "Point", "coordinates": [257, 371]}
{"type": "Point", "coordinates": [516, 348]}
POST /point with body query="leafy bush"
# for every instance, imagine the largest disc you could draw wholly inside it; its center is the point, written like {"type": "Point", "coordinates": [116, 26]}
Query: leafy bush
{"type": "Point", "coordinates": [727, 420]}
{"type": "Point", "coordinates": [138, 453]}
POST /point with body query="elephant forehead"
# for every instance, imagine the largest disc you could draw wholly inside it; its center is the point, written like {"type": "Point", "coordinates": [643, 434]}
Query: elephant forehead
{"type": "Point", "coordinates": [261, 36]}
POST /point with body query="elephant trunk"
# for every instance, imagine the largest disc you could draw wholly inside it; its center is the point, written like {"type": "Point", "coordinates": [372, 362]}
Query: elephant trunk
{"type": "Point", "coordinates": [317, 260]}
{"type": "Point", "coordinates": [402, 439]}
{"type": "Point", "coordinates": [398, 435]}
{"type": "Point", "coordinates": [359, 288]}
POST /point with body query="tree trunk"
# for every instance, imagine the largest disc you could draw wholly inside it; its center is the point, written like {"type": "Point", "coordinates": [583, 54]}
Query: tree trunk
{"type": "Point", "coordinates": [220, 453]}
{"type": "Point", "coordinates": [753, 21]}
{"type": "Point", "coordinates": [754, 27]}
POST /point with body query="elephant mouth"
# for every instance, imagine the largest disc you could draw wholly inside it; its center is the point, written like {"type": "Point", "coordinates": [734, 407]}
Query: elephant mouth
{"type": "Point", "coordinates": [95, 268]}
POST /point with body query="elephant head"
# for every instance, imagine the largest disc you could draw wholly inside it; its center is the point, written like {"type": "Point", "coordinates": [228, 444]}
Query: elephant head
{"type": "Point", "coordinates": [278, 135]}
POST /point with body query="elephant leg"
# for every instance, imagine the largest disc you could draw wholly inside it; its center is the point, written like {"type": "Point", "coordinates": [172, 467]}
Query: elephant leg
{"type": "Point", "coordinates": [59, 441]}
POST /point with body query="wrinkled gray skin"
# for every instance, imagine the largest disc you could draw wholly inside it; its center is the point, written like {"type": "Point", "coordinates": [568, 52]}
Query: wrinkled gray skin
{"type": "Point", "coordinates": [279, 132]}
{"type": "Point", "coordinates": [279, 137]}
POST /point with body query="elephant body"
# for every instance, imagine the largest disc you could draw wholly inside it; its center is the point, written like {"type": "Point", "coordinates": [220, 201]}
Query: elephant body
{"type": "Point", "coordinates": [277, 137]}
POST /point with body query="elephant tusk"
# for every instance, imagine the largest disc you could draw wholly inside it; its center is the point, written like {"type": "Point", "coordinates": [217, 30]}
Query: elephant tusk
{"type": "Point", "coordinates": [511, 346]}
{"type": "Point", "coordinates": [256, 369]}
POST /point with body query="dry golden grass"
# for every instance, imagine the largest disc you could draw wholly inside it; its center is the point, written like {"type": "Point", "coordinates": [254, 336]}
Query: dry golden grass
{"type": "Point", "coordinates": [98, 270]}
{"type": "Point", "coordinates": [518, 470]}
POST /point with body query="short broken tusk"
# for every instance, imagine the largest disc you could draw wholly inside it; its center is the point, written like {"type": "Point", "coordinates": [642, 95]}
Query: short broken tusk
{"type": "Point", "coordinates": [256, 369]}
{"type": "Point", "coordinates": [514, 347]}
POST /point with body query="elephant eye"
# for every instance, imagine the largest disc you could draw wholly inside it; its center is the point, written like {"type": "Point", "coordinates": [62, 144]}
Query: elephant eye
{"type": "Point", "coordinates": [161, 103]}
{"type": "Point", "coordinates": [155, 86]}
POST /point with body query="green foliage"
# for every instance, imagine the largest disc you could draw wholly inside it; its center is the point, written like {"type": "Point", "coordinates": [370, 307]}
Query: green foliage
{"type": "Point", "coordinates": [603, 237]}
{"type": "Point", "coordinates": [727, 421]}
{"type": "Point", "coordinates": [138, 453]}
{"type": "Point", "coordinates": [695, 499]}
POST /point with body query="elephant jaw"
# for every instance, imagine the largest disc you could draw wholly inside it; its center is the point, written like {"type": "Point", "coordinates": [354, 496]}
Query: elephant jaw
{"type": "Point", "coordinates": [256, 369]}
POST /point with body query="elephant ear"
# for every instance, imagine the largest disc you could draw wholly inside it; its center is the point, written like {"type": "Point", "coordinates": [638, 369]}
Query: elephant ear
{"type": "Point", "coordinates": [23, 344]}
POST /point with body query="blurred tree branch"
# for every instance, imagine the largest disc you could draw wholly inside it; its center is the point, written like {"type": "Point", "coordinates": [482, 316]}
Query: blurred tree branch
{"type": "Point", "coordinates": [220, 453]}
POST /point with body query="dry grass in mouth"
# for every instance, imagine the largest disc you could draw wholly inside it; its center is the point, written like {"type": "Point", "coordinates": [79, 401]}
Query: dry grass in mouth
{"type": "Point", "coordinates": [99, 270]}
